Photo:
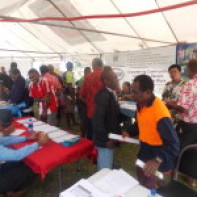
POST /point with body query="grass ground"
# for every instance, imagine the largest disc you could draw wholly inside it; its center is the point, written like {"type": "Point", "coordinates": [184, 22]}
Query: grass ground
{"type": "Point", "coordinates": [125, 156]}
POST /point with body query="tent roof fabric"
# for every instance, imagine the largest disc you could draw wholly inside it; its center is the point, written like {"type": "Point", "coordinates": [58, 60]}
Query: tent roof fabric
{"type": "Point", "coordinates": [92, 36]}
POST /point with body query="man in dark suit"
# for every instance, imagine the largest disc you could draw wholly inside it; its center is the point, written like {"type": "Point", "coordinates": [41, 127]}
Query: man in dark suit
{"type": "Point", "coordinates": [18, 88]}
{"type": "Point", "coordinates": [106, 119]}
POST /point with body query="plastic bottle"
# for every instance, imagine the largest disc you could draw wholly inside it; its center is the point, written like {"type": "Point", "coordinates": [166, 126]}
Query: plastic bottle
{"type": "Point", "coordinates": [30, 127]}
{"type": "Point", "coordinates": [153, 193]}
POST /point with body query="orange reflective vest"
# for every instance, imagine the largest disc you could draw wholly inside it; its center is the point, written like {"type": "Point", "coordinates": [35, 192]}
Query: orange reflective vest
{"type": "Point", "coordinates": [148, 118]}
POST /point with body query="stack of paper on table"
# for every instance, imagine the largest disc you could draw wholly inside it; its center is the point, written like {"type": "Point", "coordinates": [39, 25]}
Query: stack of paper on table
{"type": "Point", "coordinates": [54, 133]}
{"type": "Point", "coordinates": [64, 138]}
{"type": "Point", "coordinates": [60, 136]}
{"type": "Point", "coordinates": [37, 123]}
{"type": "Point", "coordinates": [114, 184]}
{"type": "Point", "coordinates": [45, 128]}
{"type": "Point", "coordinates": [128, 106]}
{"type": "Point", "coordinates": [17, 132]}
{"type": "Point", "coordinates": [26, 120]}
{"type": "Point", "coordinates": [120, 138]}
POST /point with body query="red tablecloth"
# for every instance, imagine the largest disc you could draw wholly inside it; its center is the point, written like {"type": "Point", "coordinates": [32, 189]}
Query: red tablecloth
{"type": "Point", "coordinates": [53, 154]}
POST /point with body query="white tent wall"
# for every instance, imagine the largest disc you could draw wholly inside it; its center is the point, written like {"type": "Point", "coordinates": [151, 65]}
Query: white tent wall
{"type": "Point", "coordinates": [153, 62]}
{"type": "Point", "coordinates": [23, 65]}
{"type": "Point", "coordinates": [181, 21]}
{"type": "Point", "coordinates": [95, 36]}
{"type": "Point", "coordinates": [57, 42]}
{"type": "Point", "coordinates": [79, 62]}
{"type": "Point", "coordinates": [8, 6]}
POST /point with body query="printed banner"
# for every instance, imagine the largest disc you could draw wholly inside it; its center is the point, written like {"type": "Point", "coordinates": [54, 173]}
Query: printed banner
{"type": "Point", "coordinates": [153, 62]}
{"type": "Point", "coordinates": [184, 53]}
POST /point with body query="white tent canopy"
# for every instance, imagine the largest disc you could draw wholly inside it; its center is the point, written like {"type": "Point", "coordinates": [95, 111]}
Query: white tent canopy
{"type": "Point", "coordinates": [57, 39]}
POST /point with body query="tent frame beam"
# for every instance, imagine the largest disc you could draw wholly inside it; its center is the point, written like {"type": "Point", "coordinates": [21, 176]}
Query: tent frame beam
{"type": "Point", "coordinates": [82, 33]}
{"type": "Point", "coordinates": [45, 53]}
{"type": "Point", "coordinates": [25, 57]}
{"type": "Point", "coordinates": [38, 39]}
{"type": "Point", "coordinates": [167, 22]}
{"type": "Point", "coordinates": [93, 31]}
{"type": "Point", "coordinates": [24, 52]}
{"type": "Point", "coordinates": [131, 26]}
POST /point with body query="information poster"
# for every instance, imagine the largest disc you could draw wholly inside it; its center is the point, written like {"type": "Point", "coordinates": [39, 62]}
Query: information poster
{"type": "Point", "coordinates": [153, 62]}
{"type": "Point", "coordinates": [185, 52]}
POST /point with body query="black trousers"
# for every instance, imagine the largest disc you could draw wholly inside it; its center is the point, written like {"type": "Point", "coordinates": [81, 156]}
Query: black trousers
{"type": "Point", "coordinates": [90, 129]}
{"type": "Point", "coordinates": [15, 176]}
{"type": "Point", "coordinates": [187, 133]}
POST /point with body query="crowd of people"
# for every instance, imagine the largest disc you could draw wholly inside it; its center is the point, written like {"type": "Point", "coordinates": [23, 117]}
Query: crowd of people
{"type": "Point", "coordinates": [164, 126]}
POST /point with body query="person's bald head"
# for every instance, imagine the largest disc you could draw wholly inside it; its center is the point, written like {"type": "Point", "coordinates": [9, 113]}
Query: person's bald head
{"type": "Point", "coordinates": [109, 79]}
{"type": "Point", "coordinates": [97, 63]}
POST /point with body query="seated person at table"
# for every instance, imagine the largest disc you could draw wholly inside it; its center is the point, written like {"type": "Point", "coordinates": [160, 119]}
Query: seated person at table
{"type": "Point", "coordinates": [159, 145]}
{"type": "Point", "coordinates": [5, 121]}
{"type": "Point", "coordinates": [106, 119]}
{"type": "Point", "coordinates": [5, 131]}
{"type": "Point", "coordinates": [6, 79]}
{"type": "Point", "coordinates": [15, 176]}
{"type": "Point", "coordinates": [4, 92]}
{"type": "Point", "coordinates": [126, 93]}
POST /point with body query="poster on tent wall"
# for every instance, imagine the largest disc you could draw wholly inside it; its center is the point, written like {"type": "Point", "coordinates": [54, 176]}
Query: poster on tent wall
{"type": "Point", "coordinates": [153, 62]}
{"type": "Point", "coordinates": [184, 53]}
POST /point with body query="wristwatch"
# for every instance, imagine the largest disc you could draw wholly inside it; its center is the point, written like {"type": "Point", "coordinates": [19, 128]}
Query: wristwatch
{"type": "Point", "coordinates": [159, 160]}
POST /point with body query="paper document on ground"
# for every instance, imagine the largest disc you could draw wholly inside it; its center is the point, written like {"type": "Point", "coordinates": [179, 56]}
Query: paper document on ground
{"type": "Point", "coordinates": [141, 164]}
{"type": "Point", "coordinates": [116, 182]}
{"type": "Point", "coordinates": [17, 132]}
{"type": "Point", "coordinates": [120, 138]}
